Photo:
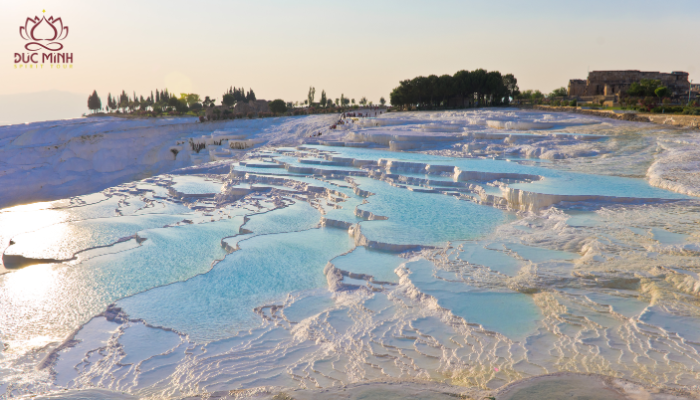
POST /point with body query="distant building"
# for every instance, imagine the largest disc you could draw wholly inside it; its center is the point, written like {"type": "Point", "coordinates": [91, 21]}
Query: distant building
{"type": "Point", "coordinates": [254, 106]}
{"type": "Point", "coordinates": [577, 87]}
{"type": "Point", "coordinates": [609, 83]}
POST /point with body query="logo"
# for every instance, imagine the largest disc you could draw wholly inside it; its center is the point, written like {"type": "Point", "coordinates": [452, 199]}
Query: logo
{"type": "Point", "coordinates": [44, 36]}
{"type": "Point", "coordinates": [48, 30]}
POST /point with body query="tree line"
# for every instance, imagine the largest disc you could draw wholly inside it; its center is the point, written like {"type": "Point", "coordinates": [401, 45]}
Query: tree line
{"type": "Point", "coordinates": [325, 101]}
{"type": "Point", "coordinates": [161, 101]}
{"type": "Point", "coordinates": [158, 101]}
{"type": "Point", "coordinates": [324, 105]}
{"type": "Point", "coordinates": [463, 89]}
{"type": "Point", "coordinates": [233, 96]}
{"type": "Point", "coordinates": [644, 95]}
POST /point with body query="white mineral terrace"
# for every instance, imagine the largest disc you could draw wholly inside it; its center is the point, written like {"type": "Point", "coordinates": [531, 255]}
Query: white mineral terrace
{"type": "Point", "coordinates": [439, 254]}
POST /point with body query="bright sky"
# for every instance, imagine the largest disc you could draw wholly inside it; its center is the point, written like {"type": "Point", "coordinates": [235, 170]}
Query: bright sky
{"type": "Point", "coordinates": [359, 48]}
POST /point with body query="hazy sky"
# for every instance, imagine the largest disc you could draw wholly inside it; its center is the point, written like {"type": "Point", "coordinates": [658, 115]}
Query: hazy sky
{"type": "Point", "coordinates": [359, 48]}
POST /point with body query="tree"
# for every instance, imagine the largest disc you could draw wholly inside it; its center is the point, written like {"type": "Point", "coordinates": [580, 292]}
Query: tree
{"type": "Point", "coordinates": [208, 102]}
{"type": "Point", "coordinates": [178, 104]}
{"type": "Point", "coordinates": [278, 106]}
{"type": "Point", "coordinates": [382, 101]}
{"type": "Point", "coordinates": [311, 95]}
{"type": "Point", "coordinates": [635, 89]}
{"type": "Point", "coordinates": [123, 100]}
{"type": "Point", "coordinates": [190, 98]}
{"type": "Point", "coordinates": [149, 103]}
{"type": "Point", "coordinates": [160, 105]}
{"type": "Point", "coordinates": [363, 101]}
{"type": "Point", "coordinates": [479, 78]}
{"type": "Point", "coordinates": [661, 92]}
{"type": "Point", "coordinates": [191, 101]}
{"type": "Point", "coordinates": [463, 89]}
{"type": "Point", "coordinates": [111, 102]}
{"type": "Point", "coordinates": [94, 102]}
{"type": "Point", "coordinates": [233, 95]}
{"type": "Point", "coordinates": [496, 92]}
{"type": "Point", "coordinates": [353, 101]}
{"type": "Point", "coordinates": [560, 92]}
{"type": "Point", "coordinates": [228, 99]}
{"type": "Point", "coordinates": [324, 100]}
{"type": "Point", "coordinates": [525, 95]}
{"type": "Point", "coordinates": [645, 87]}
{"type": "Point", "coordinates": [511, 85]}
{"type": "Point", "coordinates": [432, 91]}
{"type": "Point", "coordinates": [445, 90]}
{"type": "Point", "coordinates": [397, 96]}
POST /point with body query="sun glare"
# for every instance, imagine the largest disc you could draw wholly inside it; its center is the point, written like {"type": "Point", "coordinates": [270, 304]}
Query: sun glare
{"type": "Point", "coordinates": [28, 218]}
{"type": "Point", "coordinates": [31, 283]}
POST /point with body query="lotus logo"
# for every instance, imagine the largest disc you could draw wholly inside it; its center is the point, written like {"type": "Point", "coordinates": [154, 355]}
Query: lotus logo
{"type": "Point", "coordinates": [41, 29]}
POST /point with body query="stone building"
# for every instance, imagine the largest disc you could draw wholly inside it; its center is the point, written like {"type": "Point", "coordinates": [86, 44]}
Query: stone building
{"type": "Point", "coordinates": [610, 83]}
{"type": "Point", "coordinates": [577, 87]}
{"type": "Point", "coordinates": [256, 106]}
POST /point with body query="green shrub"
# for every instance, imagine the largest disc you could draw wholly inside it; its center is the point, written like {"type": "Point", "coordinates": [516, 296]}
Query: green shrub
{"type": "Point", "coordinates": [668, 110]}
{"type": "Point", "coordinates": [229, 99]}
{"type": "Point", "coordinates": [572, 103]}
{"type": "Point", "coordinates": [278, 106]}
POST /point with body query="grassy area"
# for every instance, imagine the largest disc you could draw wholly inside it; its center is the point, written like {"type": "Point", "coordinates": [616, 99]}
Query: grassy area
{"type": "Point", "coordinates": [669, 109]}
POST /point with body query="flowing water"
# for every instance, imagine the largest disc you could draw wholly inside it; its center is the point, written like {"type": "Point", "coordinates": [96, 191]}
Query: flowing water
{"type": "Point", "coordinates": [477, 262]}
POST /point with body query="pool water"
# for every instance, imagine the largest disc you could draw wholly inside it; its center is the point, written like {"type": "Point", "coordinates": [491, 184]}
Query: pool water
{"type": "Point", "coordinates": [347, 274]}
